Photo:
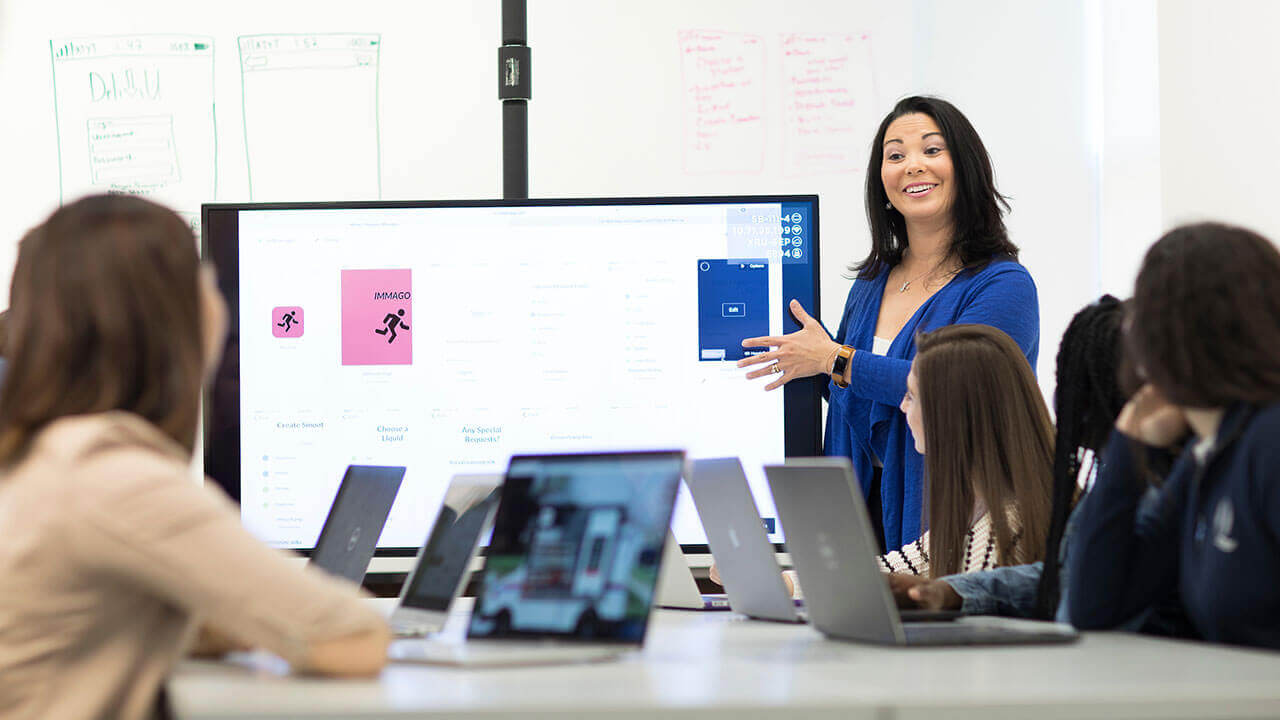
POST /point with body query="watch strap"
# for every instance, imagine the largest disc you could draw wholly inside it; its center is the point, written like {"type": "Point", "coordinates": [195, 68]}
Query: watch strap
{"type": "Point", "coordinates": [841, 366]}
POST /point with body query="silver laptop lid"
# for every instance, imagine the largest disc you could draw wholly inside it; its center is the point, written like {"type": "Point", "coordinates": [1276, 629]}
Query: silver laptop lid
{"type": "Point", "coordinates": [676, 586]}
{"type": "Point", "coordinates": [736, 535]}
{"type": "Point", "coordinates": [356, 517]}
{"type": "Point", "coordinates": [441, 567]}
{"type": "Point", "coordinates": [576, 544]}
{"type": "Point", "coordinates": [833, 549]}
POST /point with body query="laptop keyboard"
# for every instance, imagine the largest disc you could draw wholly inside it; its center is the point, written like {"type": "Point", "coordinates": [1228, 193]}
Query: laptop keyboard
{"type": "Point", "coordinates": [912, 615]}
{"type": "Point", "coordinates": [965, 634]}
{"type": "Point", "coordinates": [401, 628]}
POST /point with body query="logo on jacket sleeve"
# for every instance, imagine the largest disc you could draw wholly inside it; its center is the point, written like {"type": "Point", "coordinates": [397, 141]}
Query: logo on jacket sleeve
{"type": "Point", "coordinates": [1224, 519]}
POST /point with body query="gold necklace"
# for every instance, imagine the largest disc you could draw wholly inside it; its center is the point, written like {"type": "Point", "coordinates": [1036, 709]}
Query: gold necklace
{"type": "Point", "coordinates": [907, 284]}
{"type": "Point", "coordinates": [932, 270]}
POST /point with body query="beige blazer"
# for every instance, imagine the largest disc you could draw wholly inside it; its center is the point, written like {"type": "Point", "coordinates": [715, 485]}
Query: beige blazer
{"type": "Point", "coordinates": [109, 558]}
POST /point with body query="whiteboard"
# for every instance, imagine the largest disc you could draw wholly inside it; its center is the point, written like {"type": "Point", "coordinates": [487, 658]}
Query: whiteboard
{"type": "Point", "coordinates": [396, 99]}
{"type": "Point", "coordinates": [244, 101]}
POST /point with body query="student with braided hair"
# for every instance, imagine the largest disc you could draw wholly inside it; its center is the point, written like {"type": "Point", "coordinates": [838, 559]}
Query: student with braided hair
{"type": "Point", "coordinates": [1086, 402]}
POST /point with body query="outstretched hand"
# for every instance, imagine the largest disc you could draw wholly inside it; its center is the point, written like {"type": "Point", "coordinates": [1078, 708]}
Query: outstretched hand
{"type": "Point", "coordinates": [806, 352]}
{"type": "Point", "coordinates": [911, 591]}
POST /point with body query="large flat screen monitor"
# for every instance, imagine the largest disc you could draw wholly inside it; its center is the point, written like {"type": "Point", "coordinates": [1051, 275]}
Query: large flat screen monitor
{"type": "Point", "coordinates": [448, 336]}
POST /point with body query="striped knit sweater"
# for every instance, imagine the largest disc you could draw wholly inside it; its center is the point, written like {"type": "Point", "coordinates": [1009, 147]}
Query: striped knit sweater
{"type": "Point", "coordinates": [980, 552]}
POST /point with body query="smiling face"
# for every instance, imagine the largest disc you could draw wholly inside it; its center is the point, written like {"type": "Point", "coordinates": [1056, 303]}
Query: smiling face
{"type": "Point", "coordinates": [910, 406]}
{"type": "Point", "coordinates": [916, 169]}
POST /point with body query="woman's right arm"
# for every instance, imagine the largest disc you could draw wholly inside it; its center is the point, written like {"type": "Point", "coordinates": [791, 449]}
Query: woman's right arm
{"type": "Point", "coordinates": [1009, 591]}
{"type": "Point", "coordinates": [150, 526]}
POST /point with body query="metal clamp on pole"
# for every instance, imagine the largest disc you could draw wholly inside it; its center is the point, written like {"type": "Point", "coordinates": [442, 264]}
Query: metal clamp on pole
{"type": "Point", "coordinates": [513, 64]}
{"type": "Point", "coordinates": [514, 90]}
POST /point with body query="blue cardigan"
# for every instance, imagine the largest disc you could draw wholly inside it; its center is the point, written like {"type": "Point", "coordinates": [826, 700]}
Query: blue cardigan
{"type": "Point", "coordinates": [864, 418]}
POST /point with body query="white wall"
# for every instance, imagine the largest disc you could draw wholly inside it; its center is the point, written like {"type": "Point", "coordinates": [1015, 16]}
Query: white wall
{"type": "Point", "coordinates": [1017, 70]}
{"type": "Point", "coordinates": [1219, 100]}
{"type": "Point", "coordinates": [1128, 122]}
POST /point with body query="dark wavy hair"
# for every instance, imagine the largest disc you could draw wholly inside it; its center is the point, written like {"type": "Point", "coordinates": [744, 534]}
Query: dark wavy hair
{"type": "Point", "coordinates": [977, 209]}
{"type": "Point", "coordinates": [104, 315]}
{"type": "Point", "coordinates": [1206, 317]}
{"type": "Point", "coordinates": [1086, 401]}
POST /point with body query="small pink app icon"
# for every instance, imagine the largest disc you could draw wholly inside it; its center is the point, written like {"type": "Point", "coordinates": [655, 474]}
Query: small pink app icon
{"type": "Point", "coordinates": [286, 321]}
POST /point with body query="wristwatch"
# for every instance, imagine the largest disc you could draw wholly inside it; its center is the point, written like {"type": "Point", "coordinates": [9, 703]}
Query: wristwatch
{"type": "Point", "coordinates": [841, 365]}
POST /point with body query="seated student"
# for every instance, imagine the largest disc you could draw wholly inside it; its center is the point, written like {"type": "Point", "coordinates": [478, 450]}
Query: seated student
{"type": "Point", "coordinates": [1204, 332]}
{"type": "Point", "coordinates": [1086, 402]}
{"type": "Point", "coordinates": [977, 415]}
{"type": "Point", "coordinates": [112, 556]}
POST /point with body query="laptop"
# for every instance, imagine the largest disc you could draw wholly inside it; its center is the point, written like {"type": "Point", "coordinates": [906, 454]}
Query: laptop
{"type": "Point", "coordinates": [350, 533]}
{"type": "Point", "coordinates": [834, 551]}
{"type": "Point", "coordinates": [743, 554]}
{"type": "Point", "coordinates": [572, 562]}
{"type": "Point", "coordinates": [676, 586]}
{"type": "Point", "coordinates": [440, 571]}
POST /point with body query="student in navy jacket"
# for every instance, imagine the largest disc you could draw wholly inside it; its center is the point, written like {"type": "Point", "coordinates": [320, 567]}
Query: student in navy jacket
{"type": "Point", "coordinates": [1205, 335]}
{"type": "Point", "coordinates": [940, 255]}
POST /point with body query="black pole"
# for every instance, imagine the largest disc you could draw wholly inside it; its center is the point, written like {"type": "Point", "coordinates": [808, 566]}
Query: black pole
{"type": "Point", "coordinates": [514, 92]}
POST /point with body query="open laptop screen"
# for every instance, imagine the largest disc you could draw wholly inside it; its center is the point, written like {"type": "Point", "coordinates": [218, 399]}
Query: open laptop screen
{"type": "Point", "coordinates": [576, 546]}
{"type": "Point", "coordinates": [356, 518]}
{"type": "Point", "coordinates": [442, 563]}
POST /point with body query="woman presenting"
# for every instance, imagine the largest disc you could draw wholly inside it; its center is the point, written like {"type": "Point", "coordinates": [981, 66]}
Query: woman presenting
{"type": "Point", "coordinates": [940, 255]}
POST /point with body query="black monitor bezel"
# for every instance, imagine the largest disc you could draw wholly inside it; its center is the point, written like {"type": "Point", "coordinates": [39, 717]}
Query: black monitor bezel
{"type": "Point", "coordinates": [802, 399]}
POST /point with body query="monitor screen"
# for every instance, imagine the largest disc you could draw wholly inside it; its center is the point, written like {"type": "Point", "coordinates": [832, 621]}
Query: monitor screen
{"type": "Point", "coordinates": [576, 546]}
{"type": "Point", "coordinates": [448, 336]}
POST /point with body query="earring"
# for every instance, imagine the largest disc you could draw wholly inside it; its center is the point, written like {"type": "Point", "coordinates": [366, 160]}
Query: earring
{"type": "Point", "coordinates": [888, 206]}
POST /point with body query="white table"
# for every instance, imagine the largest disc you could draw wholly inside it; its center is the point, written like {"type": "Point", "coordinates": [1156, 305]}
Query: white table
{"type": "Point", "coordinates": [721, 665]}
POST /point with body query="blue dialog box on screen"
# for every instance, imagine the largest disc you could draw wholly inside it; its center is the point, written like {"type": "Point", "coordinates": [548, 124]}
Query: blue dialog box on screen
{"type": "Point", "coordinates": [733, 305]}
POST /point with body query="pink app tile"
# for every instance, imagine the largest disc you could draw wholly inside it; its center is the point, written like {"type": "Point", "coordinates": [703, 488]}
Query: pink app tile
{"type": "Point", "coordinates": [377, 317]}
{"type": "Point", "coordinates": [286, 321]}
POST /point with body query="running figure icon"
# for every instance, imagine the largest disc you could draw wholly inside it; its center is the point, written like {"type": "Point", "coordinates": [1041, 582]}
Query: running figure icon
{"type": "Point", "coordinates": [287, 321]}
{"type": "Point", "coordinates": [391, 321]}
